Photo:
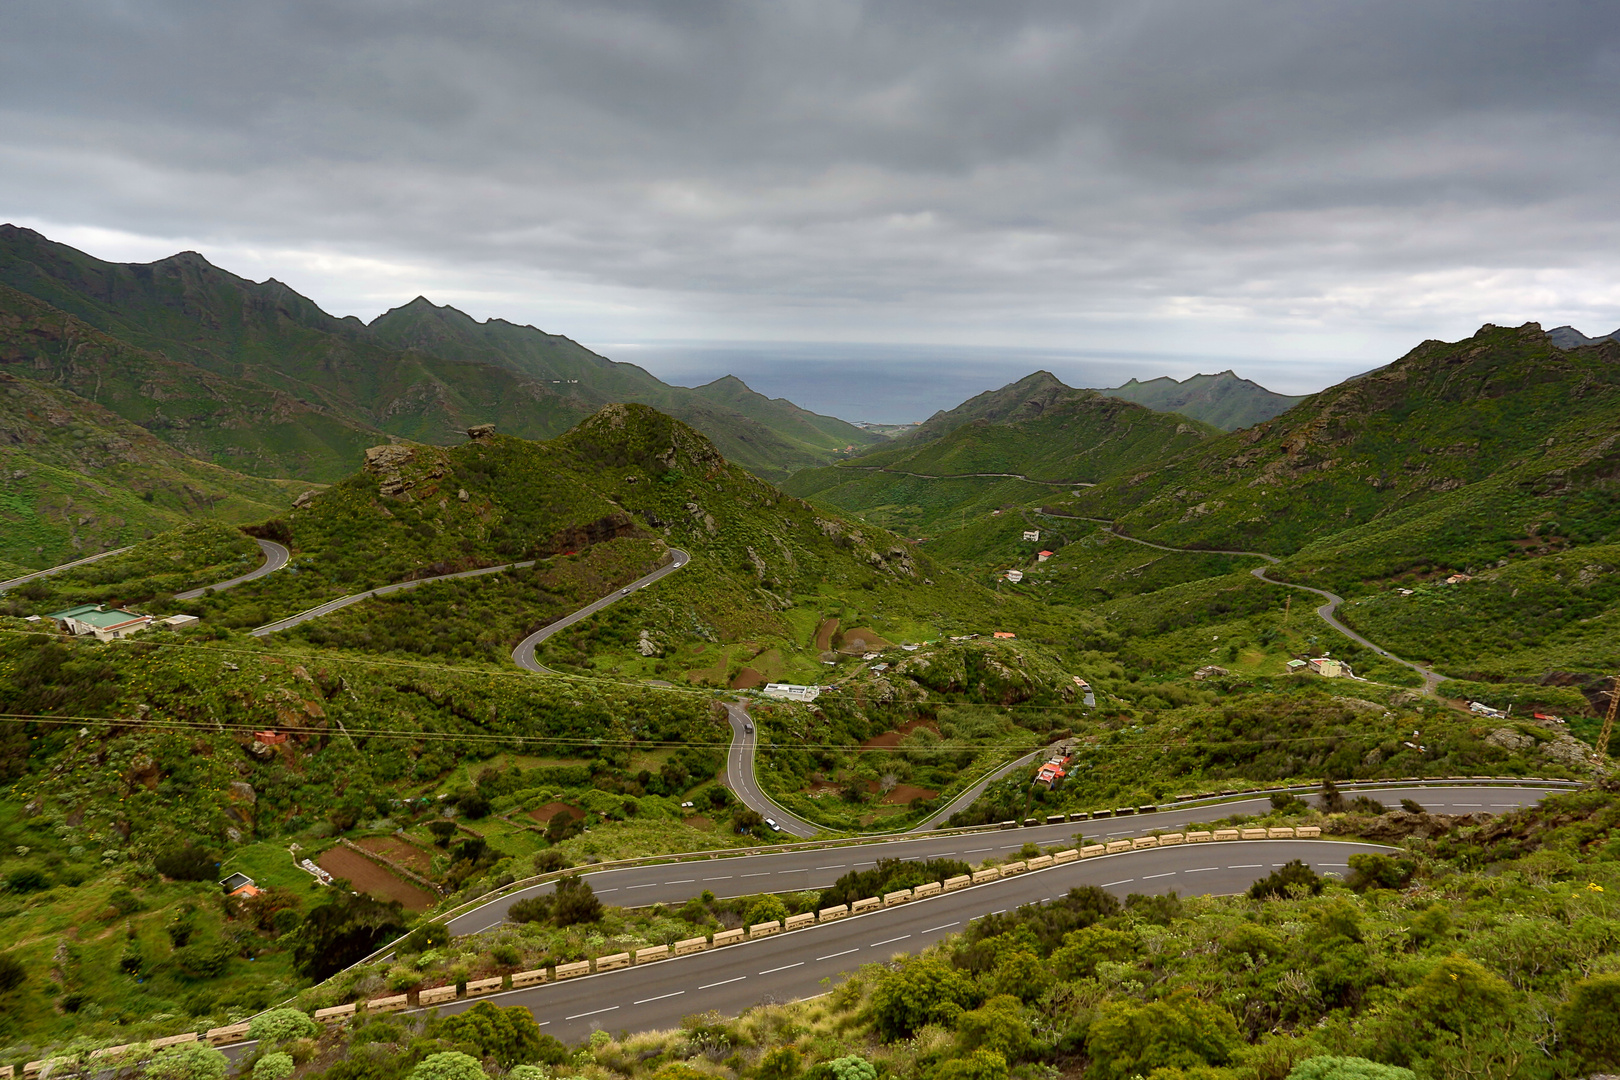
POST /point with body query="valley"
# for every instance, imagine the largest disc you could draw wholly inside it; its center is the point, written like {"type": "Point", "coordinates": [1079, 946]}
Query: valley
{"type": "Point", "coordinates": [469, 611]}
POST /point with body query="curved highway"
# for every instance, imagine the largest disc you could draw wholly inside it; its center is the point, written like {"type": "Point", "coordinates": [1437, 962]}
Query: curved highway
{"type": "Point", "coordinates": [729, 875]}
{"type": "Point", "coordinates": [382, 590]}
{"type": "Point", "coordinates": [523, 655]}
{"type": "Point", "coordinates": [966, 476]}
{"type": "Point", "coordinates": [794, 965]}
{"type": "Point", "coordinates": [742, 781]}
{"type": "Point", "coordinates": [275, 557]}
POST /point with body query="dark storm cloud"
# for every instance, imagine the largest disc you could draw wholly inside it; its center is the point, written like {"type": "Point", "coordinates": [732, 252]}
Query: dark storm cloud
{"type": "Point", "coordinates": [1326, 178]}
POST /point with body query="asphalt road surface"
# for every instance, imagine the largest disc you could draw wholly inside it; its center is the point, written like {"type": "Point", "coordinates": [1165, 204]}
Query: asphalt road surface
{"type": "Point", "coordinates": [344, 601]}
{"type": "Point", "coordinates": [523, 655]}
{"type": "Point", "coordinates": [275, 557]}
{"type": "Point", "coordinates": [792, 871]}
{"type": "Point", "coordinates": [789, 966]}
{"type": "Point", "coordinates": [26, 578]}
{"type": "Point", "coordinates": [740, 775]}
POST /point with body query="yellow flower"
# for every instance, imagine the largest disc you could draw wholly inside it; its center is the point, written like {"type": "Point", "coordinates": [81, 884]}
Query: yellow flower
{"type": "Point", "coordinates": [1595, 887]}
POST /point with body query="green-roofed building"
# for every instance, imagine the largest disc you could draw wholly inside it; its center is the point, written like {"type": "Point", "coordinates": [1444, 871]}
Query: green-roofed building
{"type": "Point", "coordinates": [104, 622]}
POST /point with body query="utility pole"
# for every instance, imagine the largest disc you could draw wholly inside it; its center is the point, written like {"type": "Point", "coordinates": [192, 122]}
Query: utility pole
{"type": "Point", "coordinates": [1608, 720]}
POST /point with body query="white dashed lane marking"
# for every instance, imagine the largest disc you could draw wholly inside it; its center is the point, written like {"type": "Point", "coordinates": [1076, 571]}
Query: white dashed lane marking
{"type": "Point", "coordinates": [660, 997]}
{"type": "Point", "coordinates": [722, 982]}
{"type": "Point", "coordinates": [833, 956]}
{"type": "Point", "coordinates": [1150, 877]}
{"type": "Point", "coordinates": [932, 929]}
{"type": "Point", "coordinates": [784, 967]}
{"type": "Point", "coordinates": [581, 1016]}
{"type": "Point", "coordinates": [1123, 881]}
{"type": "Point", "coordinates": [888, 941]}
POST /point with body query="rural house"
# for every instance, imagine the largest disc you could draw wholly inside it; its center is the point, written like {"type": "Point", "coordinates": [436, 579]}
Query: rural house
{"type": "Point", "coordinates": [104, 622]}
{"type": "Point", "coordinates": [1033, 535]}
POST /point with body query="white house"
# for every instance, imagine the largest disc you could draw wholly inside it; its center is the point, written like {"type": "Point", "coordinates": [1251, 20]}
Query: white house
{"type": "Point", "coordinates": [1015, 576]}
{"type": "Point", "coordinates": [1033, 535]}
{"type": "Point", "coordinates": [105, 623]}
{"type": "Point", "coordinates": [790, 692]}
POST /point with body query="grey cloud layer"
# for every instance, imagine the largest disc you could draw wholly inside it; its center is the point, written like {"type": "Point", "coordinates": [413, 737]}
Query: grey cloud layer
{"type": "Point", "coordinates": [1036, 171]}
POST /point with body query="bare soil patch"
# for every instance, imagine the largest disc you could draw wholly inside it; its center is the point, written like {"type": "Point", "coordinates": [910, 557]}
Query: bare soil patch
{"type": "Point", "coordinates": [904, 793]}
{"type": "Point", "coordinates": [862, 639]}
{"type": "Point", "coordinates": [893, 738]}
{"type": "Point", "coordinates": [698, 821]}
{"type": "Point", "coordinates": [824, 634]}
{"type": "Point", "coordinates": [747, 679]}
{"type": "Point", "coordinates": [545, 813]}
{"type": "Point", "coordinates": [406, 854]}
{"type": "Point", "coordinates": [367, 877]}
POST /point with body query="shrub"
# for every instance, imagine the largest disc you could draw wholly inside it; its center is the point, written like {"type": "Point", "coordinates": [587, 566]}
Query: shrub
{"type": "Point", "coordinates": [343, 930]}
{"type": "Point", "coordinates": [1590, 1021]}
{"type": "Point", "coordinates": [280, 1025]}
{"type": "Point", "coordinates": [531, 909]}
{"type": "Point", "coordinates": [550, 861]}
{"type": "Point", "coordinates": [1371, 870]}
{"type": "Point", "coordinates": [852, 1068]}
{"type": "Point", "coordinates": [429, 935]}
{"type": "Point", "coordinates": [13, 973]}
{"type": "Point", "coordinates": [979, 1065]}
{"type": "Point", "coordinates": [926, 991]}
{"type": "Point", "coordinates": [1327, 1067]}
{"type": "Point", "coordinates": [124, 902]}
{"type": "Point", "coordinates": [273, 1067]}
{"type": "Point", "coordinates": [997, 1025]}
{"type": "Point", "coordinates": [190, 1061]}
{"type": "Point", "coordinates": [576, 902]}
{"type": "Point", "coordinates": [26, 880]}
{"type": "Point", "coordinates": [187, 863]}
{"type": "Point", "coordinates": [765, 909]}
{"type": "Point", "coordinates": [783, 1063]}
{"type": "Point", "coordinates": [450, 1065]}
{"type": "Point", "coordinates": [509, 1035]}
{"type": "Point", "coordinates": [1179, 1033]}
{"type": "Point", "coordinates": [1430, 926]}
{"type": "Point", "coordinates": [1295, 875]}
{"type": "Point", "coordinates": [442, 831]}
{"type": "Point", "coordinates": [506, 954]}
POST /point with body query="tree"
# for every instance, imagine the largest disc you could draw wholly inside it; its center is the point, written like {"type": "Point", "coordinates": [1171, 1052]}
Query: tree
{"type": "Point", "coordinates": [509, 1035]}
{"type": "Point", "coordinates": [1084, 948]}
{"type": "Point", "coordinates": [276, 1066]}
{"type": "Point", "coordinates": [189, 1061]}
{"type": "Point", "coordinates": [1328, 1067]}
{"type": "Point", "coordinates": [1371, 870]}
{"type": "Point", "coordinates": [1590, 1021]}
{"type": "Point", "coordinates": [450, 1065]}
{"type": "Point", "coordinates": [1331, 798]}
{"type": "Point", "coordinates": [430, 935]}
{"type": "Point", "coordinates": [744, 820]}
{"type": "Point", "coordinates": [342, 931]}
{"type": "Point", "coordinates": [576, 902]}
{"type": "Point", "coordinates": [282, 1025]}
{"type": "Point", "coordinates": [926, 991]}
{"type": "Point", "coordinates": [549, 861]}
{"type": "Point", "coordinates": [531, 909]}
{"type": "Point", "coordinates": [1179, 1033]}
{"type": "Point", "coordinates": [442, 831]}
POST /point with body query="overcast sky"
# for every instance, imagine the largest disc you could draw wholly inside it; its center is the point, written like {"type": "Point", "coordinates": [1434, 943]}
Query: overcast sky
{"type": "Point", "coordinates": [1300, 191]}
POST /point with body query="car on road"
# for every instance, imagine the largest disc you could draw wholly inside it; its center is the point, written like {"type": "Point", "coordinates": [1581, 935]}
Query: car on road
{"type": "Point", "coordinates": [772, 823]}
{"type": "Point", "coordinates": [748, 727]}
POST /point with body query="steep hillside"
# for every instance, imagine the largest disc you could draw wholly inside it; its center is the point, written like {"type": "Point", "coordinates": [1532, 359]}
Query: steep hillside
{"type": "Point", "coordinates": [1224, 401]}
{"type": "Point", "coordinates": [1504, 408]}
{"type": "Point", "coordinates": [76, 479]}
{"type": "Point", "coordinates": [1020, 446]}
{"type": "Point", "coordinates": [419, 372]}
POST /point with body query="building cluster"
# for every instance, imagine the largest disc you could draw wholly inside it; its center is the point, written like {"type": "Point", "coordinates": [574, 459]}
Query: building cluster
{"type": "Point", "coordinates": [1055, 768]}
{"type": "Point", "coordinates": [1325, 666]}
{"type": "Point", "coordinates": [111, 623]}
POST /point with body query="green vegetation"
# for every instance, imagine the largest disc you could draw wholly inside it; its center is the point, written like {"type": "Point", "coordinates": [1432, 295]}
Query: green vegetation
{"type": "Point", "coordinates": [1224, 401]}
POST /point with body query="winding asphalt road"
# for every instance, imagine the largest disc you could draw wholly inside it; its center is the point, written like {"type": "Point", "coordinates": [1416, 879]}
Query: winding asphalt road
{"type": "Point", "coordinates": [1326, 612]}
{"type": "Point", "coordinates": [794, 965]}
{"type": "Point", "coordinates": [275, 557]}
{"type": "Point", "coordinates": [523, 655]}
{"type": "Point", "coordinates": [729, 875]}
{"type": "Point", "coordinates": [383, 590]}
{"type": "Point", "coordinates": [968, 476]}
{"type": "Point", "coordinates": [740, 774]}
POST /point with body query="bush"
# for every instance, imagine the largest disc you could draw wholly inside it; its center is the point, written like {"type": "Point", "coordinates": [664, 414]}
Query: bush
{"type": "Point", "coordinates": [997, 1025]}
{"type": "Point", "coordinates": [979, 1065]}
{"type": "Point", "coordinates": [429, 935]}
{"type": "Point", "coordinates": [280, 1025]}
{"type": "Point", "coordinates": [442, 831]}
{"type": "Point", "coordinates": [450, 1065]}
{"type": "Point", "coordinates": [783, 1063]}
{"type": "Point", "coordinates": [765, 908]}
{"type": "Point", "coordinates": [1179, 1033]}
{"type": "Point", "coordinates": [926, 991]}
{"type": "Point", "coordinates": [13, 973]}
{"type": "Point", "coordinates": [1295, 875]}
{"type": "Point", "coordinates": [550, 861]}
{"type": "Point", "coordinates": [852, 1068]}
{"type": "Point", "coordinates": [190, 1061]}
{"type": "Point", "coordinates": [1327, 1067]}
{"type": "Point", "coordinates": [531, 909]}
{"type": "Point", "coordinates": [273, 1067]}
{"type": "Point", "coordinates": [1370, 870]}
{"type": "Point", "coordinates": [576, 902]}
{"type": "Point", "coordinates": [1590, 1021]}
{"type": "Point", "coordinates": [509, 1035]}
{"type": "Point", "coordinates": [343, 930]}
{"type": "Point", "coordinates": [187, 863]}
{"type": "Point", "coordinates": [26, 880]}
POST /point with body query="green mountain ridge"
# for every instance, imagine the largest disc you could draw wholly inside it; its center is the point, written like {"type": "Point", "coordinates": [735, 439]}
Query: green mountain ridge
{"type": "Point", "coordinates": [420, 372]}
{"type": "Point", "coordinates": [1223, 400]}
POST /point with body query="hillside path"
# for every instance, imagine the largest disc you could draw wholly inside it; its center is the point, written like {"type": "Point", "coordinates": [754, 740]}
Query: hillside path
{"type": "Point", "coordinates": [275, 557]}
{"type": "Point", "coordinates": [967, 476]}
{"type": "Point", "coordinates": [523, 655]}
{"type": "Point", "coordinates": [1326, 612]}
{"type": "Point", "coordinates": [26, 578]}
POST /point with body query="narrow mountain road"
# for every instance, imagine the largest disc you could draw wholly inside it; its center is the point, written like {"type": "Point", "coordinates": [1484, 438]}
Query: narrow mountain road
{"type": "Point", "coordinates": [967, 476]}
{"type": "Point", "coordinates": [382, 590]}
{"type": "Point", "coordinates": [275, 557]}
{"type": "Point", "coordinates": [1326, 612]}
{"type": "Point", "coordinates": [26, 578]}
{"type": "Point", "coordinates": [742, 781]}
{"type": "Point", "coordinates": [523, 655]}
